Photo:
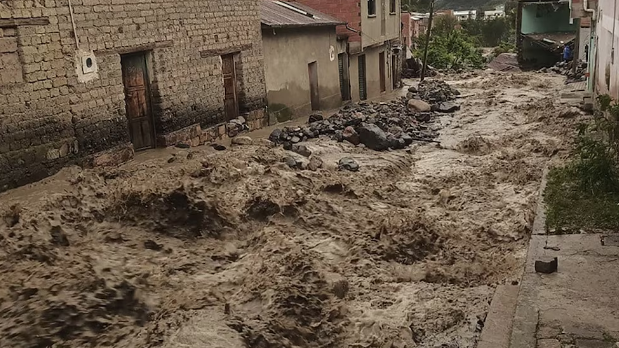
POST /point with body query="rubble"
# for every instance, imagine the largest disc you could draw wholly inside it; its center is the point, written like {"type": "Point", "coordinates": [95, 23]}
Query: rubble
{"type": "Point", "coordinates": [436, 91]}
{"type": "Point", "coordinates": [237, 126]}
{"type": "Point", "coordinates": [413, 69]}
{"type": "Point", "coordinates": [377, 126]}
{"type": "Point", "coordinates": [567, 69]}
{"type": "Point", "coordinates": [505, 62]}
{"type": "Point", "coordinates": [242, 141]}
{"type": "Point", "coordinates": [349, 164]}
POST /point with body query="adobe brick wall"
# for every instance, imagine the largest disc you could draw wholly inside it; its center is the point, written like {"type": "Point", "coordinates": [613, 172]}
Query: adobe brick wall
{"type": "Point", "coordinates": [48, 118]}
{"type": "Point", "coordinates": [345, 10]}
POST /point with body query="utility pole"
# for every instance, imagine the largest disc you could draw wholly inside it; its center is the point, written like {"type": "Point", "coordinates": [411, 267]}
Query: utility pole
{"type": "Point", "coordinates": [425, 51]}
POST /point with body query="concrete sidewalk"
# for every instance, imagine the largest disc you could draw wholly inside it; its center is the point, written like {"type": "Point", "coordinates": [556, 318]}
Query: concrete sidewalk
{"type": "Point", "coordinates": [576, 307]}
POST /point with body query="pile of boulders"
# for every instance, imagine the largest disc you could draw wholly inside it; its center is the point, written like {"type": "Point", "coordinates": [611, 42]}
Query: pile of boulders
{"type": "Point", "coordinates": [567, 69]}
{"type": "Point", "coordinates": [377, 126]}
{"type": "Point", "coordinates": [438, 94]}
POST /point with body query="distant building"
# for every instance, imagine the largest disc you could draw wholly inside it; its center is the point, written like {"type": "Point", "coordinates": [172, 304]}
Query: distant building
{"type": "Point", "coordinates": [465, 15]}
{"type": "Point", "coordinates": [414, 25]}
{"type": "Point", "coordinates": [494, 14]}
{"type": "Point", "coordinates": [371, 64]}
{"type": "Point", "coordinates": [301, 59]}
{"type": "Point", "coordinates": [542, 29]}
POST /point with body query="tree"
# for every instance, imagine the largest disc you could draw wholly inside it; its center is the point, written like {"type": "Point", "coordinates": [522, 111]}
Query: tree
{"type": "Point", "coordinates": [444, 24]}
{"type": "Point", "coordinates": [488, 32]}
{"type": "Point", "coordinates": [416, 5]}
{"type": "Point", "coordinates": [453, 50]}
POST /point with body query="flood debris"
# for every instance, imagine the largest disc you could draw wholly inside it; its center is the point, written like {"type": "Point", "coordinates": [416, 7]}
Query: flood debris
{"type": "Point", "coordinates": [348, 164]}
{"type": "Point", "coordinates": [567, 69]}
{"type": "Point", "coordinates": [378, 126]}
{"type": "Point", "coordinates": [351, 248]}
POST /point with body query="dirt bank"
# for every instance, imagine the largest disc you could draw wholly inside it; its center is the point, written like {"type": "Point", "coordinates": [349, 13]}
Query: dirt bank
{"type": "Point", "coordinates": [198, 248]}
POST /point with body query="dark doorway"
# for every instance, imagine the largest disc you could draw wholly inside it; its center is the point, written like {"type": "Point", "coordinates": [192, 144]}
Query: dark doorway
{"type": "Point", "coordinates": [231, 99]}
{"type": "Point", "coordinates": [137, 100]}
{"type": "Point", "coordinates": [363, 84]}
{"type": "Point", "coordinates": [313, 78]}
{"type": "Point", "coordinates": [394, 71]}
{"type": "Point", "coordinates": [344, 76]}
{"type": "Point", "coordinates": [381, 67]}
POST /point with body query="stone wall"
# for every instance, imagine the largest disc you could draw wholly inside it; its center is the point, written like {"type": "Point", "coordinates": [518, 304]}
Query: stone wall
{"type": "Point", "coordinates": [52, 114]}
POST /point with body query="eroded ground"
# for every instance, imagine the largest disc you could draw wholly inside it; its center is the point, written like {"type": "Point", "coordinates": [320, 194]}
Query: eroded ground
{"type": "Point", "coordinates": [197, 248]}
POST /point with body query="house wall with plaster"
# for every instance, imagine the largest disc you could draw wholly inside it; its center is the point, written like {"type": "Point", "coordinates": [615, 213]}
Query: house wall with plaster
{"type": "Point", "coordinates": [287, 53]}
{"type": "Point", "coordinates": [606, 73]}
{"type": "Point", "coordinates": [52, 114]}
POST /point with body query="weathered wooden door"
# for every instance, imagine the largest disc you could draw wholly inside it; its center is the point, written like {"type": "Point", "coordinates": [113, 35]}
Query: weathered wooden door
{"type": "Point", "coordinates": [231, 101]}
{"type": "Point", "coordinates": [381, 67]}
{"type": "Point", "coordinates": [394, 72]}
{"type": "Point", "coordinates": [363, 83]}
{"type": "Point", "coordinates": [313, 78]}
{"type": "Point", "coordinates": [137, 101]}
{"type": "Point", "coordinates": [344, 76]}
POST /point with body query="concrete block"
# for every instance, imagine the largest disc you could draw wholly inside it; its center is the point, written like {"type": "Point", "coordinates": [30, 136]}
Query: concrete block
{"type": "Point", "coordinates": [546, 265]}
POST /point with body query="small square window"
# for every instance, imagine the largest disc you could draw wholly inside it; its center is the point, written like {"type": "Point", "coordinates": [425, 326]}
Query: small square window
{"type": "Point", "coordinates": [371, 7]}
{"type": "Point", "coordinates": [392, 6]}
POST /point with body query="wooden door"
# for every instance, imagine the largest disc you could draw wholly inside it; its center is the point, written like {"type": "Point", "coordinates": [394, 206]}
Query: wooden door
{"type": "Point", "coordinates": [381, 65]}
{"type": "Point", "coordinates": [231, 101]}
{"type": "Point", "coordinates": [313, 78]}
{"type": "Point", "coordinates": [394, 71]}
{"type": "Point", "coordinates": [137, 101]}
{"type": "Point", "coordinates": [363, 83]}
{"type": "Point", "coordinates": [344, 76]}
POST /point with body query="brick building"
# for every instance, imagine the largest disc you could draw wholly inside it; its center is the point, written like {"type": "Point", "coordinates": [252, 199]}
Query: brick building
{"type": "Point", "coordinates": [85, 80]}
{"type": "Point", "coordinates": [414, 25]}
{"type": "Point", "coordinates": [371, 63]}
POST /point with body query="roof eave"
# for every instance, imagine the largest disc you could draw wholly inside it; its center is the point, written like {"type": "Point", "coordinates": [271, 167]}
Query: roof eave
{"type": "Point", "coordinates": [279, 26]}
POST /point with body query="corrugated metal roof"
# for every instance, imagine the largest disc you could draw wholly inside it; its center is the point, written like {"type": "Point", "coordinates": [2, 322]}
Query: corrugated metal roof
{"type": "Point", "coordinates": [276, 14]}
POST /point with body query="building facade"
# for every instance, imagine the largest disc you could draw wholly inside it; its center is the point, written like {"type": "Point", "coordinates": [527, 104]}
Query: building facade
{"type": "Point", "coordinates": [82, 78]}
{"type": "Point", "coordinates": [372, 59]}
{"type": "Point", "coordinates": [302, 60]}
{"type": "Point", "coordinates": [414, 25]}
{"type": "Point", "coordinates": [542, 30]}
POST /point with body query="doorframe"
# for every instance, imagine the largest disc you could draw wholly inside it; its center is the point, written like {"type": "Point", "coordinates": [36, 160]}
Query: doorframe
{"type": "Point", "coordinates": [312, 68]}
{"type": "Point", "coordinates": [394, 71]}
{"type": "Point", "coordinates": [237, 106]}
{"type": "Point", "coordinates": [382, 71]}
{"type": "Point", "coordinates": [148, 72]}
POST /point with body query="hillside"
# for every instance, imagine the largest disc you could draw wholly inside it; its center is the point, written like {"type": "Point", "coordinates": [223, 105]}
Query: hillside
{"type": "Point", "coordinates": [467, 4]}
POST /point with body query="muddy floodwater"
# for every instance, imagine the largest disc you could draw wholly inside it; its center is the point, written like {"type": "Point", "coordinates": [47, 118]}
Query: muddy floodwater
{"type": "Point", "coordinates": [199, 248]}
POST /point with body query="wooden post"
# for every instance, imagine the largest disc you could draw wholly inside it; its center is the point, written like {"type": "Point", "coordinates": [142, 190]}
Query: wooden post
{"type": "Point", "coordinates": [429, 33]}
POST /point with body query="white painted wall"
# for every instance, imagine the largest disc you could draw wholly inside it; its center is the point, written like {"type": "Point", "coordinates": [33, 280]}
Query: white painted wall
{"type": "Point", "coordinates": [585, 37]}
{"type": "Point", "coordinates": [607, 40]}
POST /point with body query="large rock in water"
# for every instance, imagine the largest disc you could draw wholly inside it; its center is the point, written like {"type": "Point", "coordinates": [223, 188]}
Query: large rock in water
{"type": "Point", "coordinates": [373, 137]}
{"type": "Point", "coordinates": [349, 134]}
{"type": "Point", "coordinates": [416, 105]}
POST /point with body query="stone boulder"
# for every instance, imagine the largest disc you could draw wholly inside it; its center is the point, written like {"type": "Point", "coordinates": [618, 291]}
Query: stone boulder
{"type": "Point", "coordinates": [350, 135]}
{"type": "Point", "coordinates": [416, 105]}
{"type": "Point", "coordinates": [373, 137]}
